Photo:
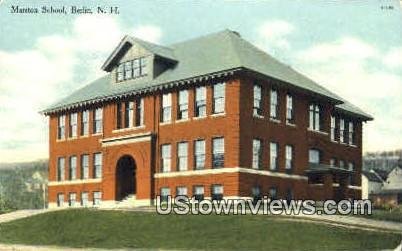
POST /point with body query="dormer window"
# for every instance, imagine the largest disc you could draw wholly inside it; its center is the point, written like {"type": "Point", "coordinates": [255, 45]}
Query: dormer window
{"type": "Point", "coordinates": [131, 69]}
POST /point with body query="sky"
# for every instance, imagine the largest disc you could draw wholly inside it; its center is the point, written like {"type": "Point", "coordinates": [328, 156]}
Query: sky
{"type": "Point", "coordinates": [354, 48]}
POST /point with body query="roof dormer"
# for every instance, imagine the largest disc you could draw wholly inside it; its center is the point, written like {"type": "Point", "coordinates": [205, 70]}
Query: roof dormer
{"type": "Point", "coordinates": [134, 59]}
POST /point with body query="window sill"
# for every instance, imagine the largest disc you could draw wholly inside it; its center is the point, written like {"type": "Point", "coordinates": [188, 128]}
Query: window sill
{"type": "Point", "coordinates": [72, 138]}
{"type": "Point", "coordinates": [222, 114]}
{"type": "Point", "coordinates": [97, 134]}
{"type": "Point", "coordinates": [60, 140]}
{"type": "Point", "coordinates": [128, 129]}
{"type": "Point", "coordinates": [355, 146]}
{"type": "Point", "coordinates": [165, 123]}
{"type": "Point", "coordinates": [201, 117]}
{"type": "Point", "coordinates": [275, 120]}
{"type": "Point", "coordinates": [290, 124]}
{"type": "Point", "coordinates": [182, 120]}
{"type": "Point", "coordinates": [257, 116]}
{"type": "Point", "coordinates": [318, 132]}
{"type": "Point", "coordinates": [84, 136]}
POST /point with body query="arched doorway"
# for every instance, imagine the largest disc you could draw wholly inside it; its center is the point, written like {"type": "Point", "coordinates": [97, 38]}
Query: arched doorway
{"type": "Point", "coordinates": [125, 177]}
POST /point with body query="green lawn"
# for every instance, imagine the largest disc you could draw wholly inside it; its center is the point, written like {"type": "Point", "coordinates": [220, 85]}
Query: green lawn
{"type": "Point", "coordinates": [387, 215]}
{"type": "Point", "coordinates": [116, 229]}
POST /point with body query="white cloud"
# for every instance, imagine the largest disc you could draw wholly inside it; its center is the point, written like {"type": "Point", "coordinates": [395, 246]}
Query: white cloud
{"type": "Point", "coordinates": [393, 58]}
{"type": "Point", "coordinates": [33, 78]}
{"type": "Point", "coordinates": [354, 69]}
{"type": "Point", "coordinates": [272, 35]}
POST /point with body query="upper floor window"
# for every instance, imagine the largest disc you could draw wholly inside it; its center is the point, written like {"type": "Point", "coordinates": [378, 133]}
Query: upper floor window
{"type": "Point", "coordinates": [73, 167]}
{"type": "Point", "coordinates": [333, 127]}
{"type": "Point", "coordinates": [182, 156]}
{"type": "Point", "coordinates": [61, 132]}
{"type": "Point", "coordinates": [257, 101]}
{"type": "Point", "coordinates": [257, 152]}
{"type": "Point", "coordinates": [139, 115]}
{"type": "Point", "coordinates": [84, 166]}
{"type": "Point", "coordinates": [119, 115]}
{"type": "Point", "coordinates": [199, 154]}
{"type": "Point", "coordinates": [342, 130]}
{"type": "Point", "coordinates": [183, 105]}
{"type": "Point", "coordinates": [314, 156]}
{"type": "Point", "coordinates": [351, 134]}
{"type": "Point", "coordinates": [85, 123]}
{"type": "Point", "coordinates": [314, 117]}
{"type": "Point", "coordinates": [200, 101]}
{"type": "Point", "coordinates": [217, 192]}
{"type": "Point", "coordinates": [129, 114]}
{"type": "Point", "coordinates": [218, 152]}
{"type": "Point", "coordinates": [219, 98]}
{"type": "Point", "coordinates": [166, 107]}
{"type": "Point", "coordinates": [289, 109]}
{"type": "Point", "coordinates": [97, 165]}
{"type": "Point", "coordinates": [274, 104]}
{"type": "Point", "coordinates": [98, 116]}
{"type": "Point", "coordinates": [273, 156]}
{"type": "Point", "coordinates": [60, 169]}
{"type": "Point", "coordinates": [73, 124]}
{"type": "Point", "coordinates": [131, 69]}
{"type": "Point", "coordinates": [289, 157]}
{"type": "Point", "coordinates": [165, 157]}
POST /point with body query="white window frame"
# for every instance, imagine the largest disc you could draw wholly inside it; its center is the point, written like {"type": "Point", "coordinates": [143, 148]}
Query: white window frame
{"type": "Point", "coordinates": [182, 105]}
{"type": "Point", "coordinates": [60, 200]}
{"type": "Point", "coordinates": [289, 153]}
{"type": "Point", "coordinates": [97, 198]}
{"type": "Point", "coordinates": [181, 191]}
{"type": "Point", "coordinates": [273, 155]}
{"type": "Point", "coordinates": [98, 165]}
{"type": "Point", "coordinates": [257, 154]}
{"type": "Point", "coordinates": [84, 199]}
{"type": "Point", "coordinates": [73, 167]}
{"type": "Point", "coordinates": [85, 123]}
{"type": "Point", "coordinates": [166, 108]}
{"type": "Point", "coordinates": [72, 199]}
{"type": "Point", "coordinates": [98, 120]}
{"type": "Point", "coordinates": [73, 125]}
{"type": "Point", "coordinates": [200, 101]}
{"type": "Point", "coordinates": [199, 154]}
{"type": "Point", "coordinates": [85, 166]}
{"type": "Point", "coordinates": [139, 112]}
{"type": "Point", "coordinates": [333, 128]}
{"type": "Point", "coordinates": [314, 117]}
{"type": "Point", "coordinates": [290, 116]}
{"type": "Point", "coordinates": [273, 111]}
{"type": "Point", "coordinates": [351, 133]}
{"type": "Point", "coordinates": [129, 114]}
{"type": "Point", "coordinates": [182, 156]}
{"type": "Point", "coordinates": [61, 165]}
{"type": "Point", "coordinates": [219, 90]}
{"type": "Point", "coordinates": [61, 127]}
{"type": "Point", "coordinates": [257, 101]}
{"type": "Point", "coordinates": [166, 158]}
{"type": "Point", "coordinates": [342, 130]}
{"type": "Point", "coordinates": [314, 156]}
{"type": "Point", "coordinates": [218, 152]}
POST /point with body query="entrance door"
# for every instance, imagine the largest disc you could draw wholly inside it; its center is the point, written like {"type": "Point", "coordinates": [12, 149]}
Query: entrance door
{"type": "Point", "coordinates": [125, 177]}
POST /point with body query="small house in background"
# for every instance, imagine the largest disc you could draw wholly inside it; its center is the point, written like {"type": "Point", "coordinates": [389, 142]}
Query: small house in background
{"type": "Point", "coordinates": [371, 183]}
{"type": "Point", "coordinates": [391, 193]}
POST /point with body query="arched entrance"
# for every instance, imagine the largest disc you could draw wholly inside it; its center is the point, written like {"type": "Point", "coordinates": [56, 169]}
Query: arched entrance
{"type": "Point", "coordinates": [125, 177]}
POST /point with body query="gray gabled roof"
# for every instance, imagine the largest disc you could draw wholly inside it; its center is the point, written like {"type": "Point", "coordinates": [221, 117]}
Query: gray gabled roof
{"type": "Point", "coordinates": [372, 176]}
{"type": "Point", "coordinates": [200, 58]}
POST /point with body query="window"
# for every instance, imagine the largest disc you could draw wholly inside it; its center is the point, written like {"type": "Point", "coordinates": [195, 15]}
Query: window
{"type": "Point", "coordinates": [165, 192]}
{"type": "Point", "coordinates": [60, 200]}
{"type": "Point", "coordinates": [73, 124]}
{"type": "Point", "coordinates": [182, 153]}
{"type": "Point", "coordinates": [256, 193]}
{"type": "Point", "coordinates": [120, 72]}
{"type": "Point", "coordinates": [97, 165]}
{"type": "Point", "coordinates": [257, 152]}
{"type": "Point", "coordinates": [217, 192]}
{"type": "Point", "coordinates": [219, 98]}
{"type": "Point", "coordinates": [289, 157]}
{"type": "Point", "coordinates": [333, 128]}
{"type": "Point", "coordinates": [84, 166]}
{"type": "Point", "coordinates": [165, 150]}
{"type": "Point", "coordinates": [128, 70]}
{"type": "Point", "coordinates": [351, 134]}
{"type": "Point", "coordinates": [351, 166]}
{"type": "Point", "coordinates": [98, 120]}
{"type": "Point", "coordinates": [218, 152]}
{"type": "Point", "coordinates": [129, 114]}
{"type": "Point", "coordinates": [257, 101]}
{"type": "Point", "coordinates": [342, 130]}
{"type": "Point", "coordinates": [332, 162]}
{"type": "Point", "coordinates": [61, 132]}
{"type": "Point", "coordinates": [60, 169]}
{"type": "Point", "coordinates": [314, 156]}
{"type": "Point", "coordinates": [200, 101]}
{"type": "Point", "coordinates": [314, 117]}
{"type": "Point", "coordinates": [97, 198]}
{"type": "Point", "coordinates": [84, 199]}
{"type": "Point", "coordinates": [72, 199]}
{"type": "Point", "coordinates": [273, 156]}
{"type": "Point", "coordinates": [289, 109]}
{"type": "Point", "coordinates": [183, 105]}
{"type": "Point", "coordinates": [289, 195]}
{"type": "Point", "coordinates": [166, 107]}
{"type": "Point", "coordinates": [274, 104]}
{"type": "Point", "coordinates": [119, 115]}
{"type": "Point", "coordinates": [198, 193]}
{"type": "Point", "coordinates": [182, 190]}
{"type": "Point", "coordinates": [199, 154]}
{"type": "Point", "coordinates": [136, 68]}
{"type": "Point", "coordinates": [139, 120]}
{"type": "Point", "coordinates": [132, 69]}
{"type": "Point", "coordinates": [85, 123]}
{"type": "Point", "coordinates": [73, 167]}
{"type": "Point", "coordinates": [273, 193]}
{"type": "Point", "coordinates": [341, 164]}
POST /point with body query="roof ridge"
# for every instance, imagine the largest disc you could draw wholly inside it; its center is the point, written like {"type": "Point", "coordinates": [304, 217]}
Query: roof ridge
{"type": "Point", "coordinates": [150, 43]}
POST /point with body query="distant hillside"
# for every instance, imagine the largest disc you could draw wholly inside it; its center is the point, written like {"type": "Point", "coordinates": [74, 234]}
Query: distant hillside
{"type": "Point", "coordinates": [23, 185]}
{"type": "Point", "coordinates": [384, 161]}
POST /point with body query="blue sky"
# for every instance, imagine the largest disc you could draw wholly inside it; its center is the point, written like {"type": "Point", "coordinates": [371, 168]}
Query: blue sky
{"type": "Point", "coordinates": [352, 47]}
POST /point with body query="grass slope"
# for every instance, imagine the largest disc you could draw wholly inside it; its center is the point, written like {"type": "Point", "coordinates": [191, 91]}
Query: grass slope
{"type": "Point", "coordinates": [115, 229]}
